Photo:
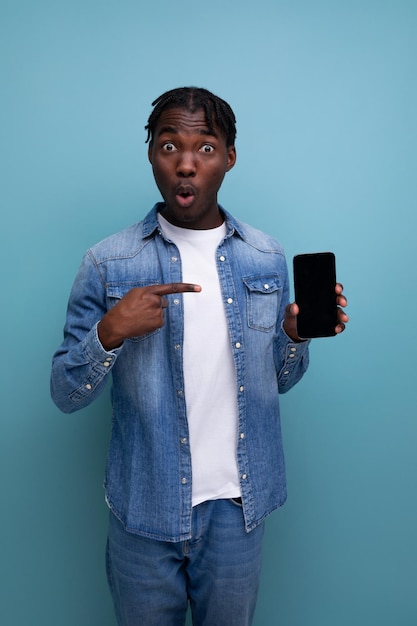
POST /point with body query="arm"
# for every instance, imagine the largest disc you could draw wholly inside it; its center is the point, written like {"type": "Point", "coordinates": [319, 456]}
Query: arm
{"type": "Point", "coordinates": [94, 336]}
{"type": "Point", "coordinates": [293, 350]}
{"type": "Point", "coordinates": [81, 365]}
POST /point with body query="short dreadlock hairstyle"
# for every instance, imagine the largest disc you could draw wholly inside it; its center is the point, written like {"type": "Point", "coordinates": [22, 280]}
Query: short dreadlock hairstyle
{"type": "Point", "coordinates": [191, 99]}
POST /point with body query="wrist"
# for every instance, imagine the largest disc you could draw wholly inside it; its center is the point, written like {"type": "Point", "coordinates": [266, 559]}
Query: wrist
{"type": "Point", "coordinates": [292, 334]}
{"type": "Point", "coordinates": [107, 337]}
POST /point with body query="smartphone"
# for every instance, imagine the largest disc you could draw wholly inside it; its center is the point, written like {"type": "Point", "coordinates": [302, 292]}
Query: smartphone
{"type": "Point", "coordinates": [314, 287]}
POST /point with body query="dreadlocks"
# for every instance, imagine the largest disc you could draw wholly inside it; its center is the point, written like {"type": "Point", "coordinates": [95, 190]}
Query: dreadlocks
{"type": "Point", "coordinates": [192, 99]}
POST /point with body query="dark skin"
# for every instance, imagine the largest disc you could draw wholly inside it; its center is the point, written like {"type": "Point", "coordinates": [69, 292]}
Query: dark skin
{"type": "Point", "coordinates": [139, 312]}
{"type": "Point", "coordinates": [189, 164]}
{"type": "Point", "coordinates": [291, 312]}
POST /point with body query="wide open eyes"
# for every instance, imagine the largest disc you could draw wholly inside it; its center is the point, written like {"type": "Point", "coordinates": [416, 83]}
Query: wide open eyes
{"type": "Point", "coordinates": [169, 147]}
{"type": "Point", "coordinates": [207, 148]}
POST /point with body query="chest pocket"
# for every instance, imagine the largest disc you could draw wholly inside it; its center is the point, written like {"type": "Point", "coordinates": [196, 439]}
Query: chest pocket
{"type": "Point", "coordinates": [263, 299]}
{"type": "Point", "coordinates": [116, 291]}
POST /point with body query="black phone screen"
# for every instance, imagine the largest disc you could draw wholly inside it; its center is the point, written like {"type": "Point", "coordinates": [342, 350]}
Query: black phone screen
{"type": "Point", "coordinates": [314, 287]}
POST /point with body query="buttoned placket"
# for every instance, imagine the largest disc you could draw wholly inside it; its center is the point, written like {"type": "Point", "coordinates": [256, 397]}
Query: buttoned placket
{"type": "Point", "coordinates": [176, 313]}
{"type": "Point", "coordinates": [235, 325]}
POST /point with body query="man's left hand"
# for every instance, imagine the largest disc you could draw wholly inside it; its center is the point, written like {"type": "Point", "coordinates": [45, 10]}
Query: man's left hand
{"type": "Point", "coordinates": [291, 312]}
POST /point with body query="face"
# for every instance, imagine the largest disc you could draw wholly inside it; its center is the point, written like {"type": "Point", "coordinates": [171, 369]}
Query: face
{"type": "Point", "coordinates": [189, 164]}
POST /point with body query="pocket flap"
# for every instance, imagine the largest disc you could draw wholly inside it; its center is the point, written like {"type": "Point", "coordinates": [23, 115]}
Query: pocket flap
{"type": "Point", "coordinates": [267, 283]}
{"type": "Point", "coordinates": [118, 290]}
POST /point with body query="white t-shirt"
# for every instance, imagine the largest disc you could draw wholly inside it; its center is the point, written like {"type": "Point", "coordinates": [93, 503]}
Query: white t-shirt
{"type": "Point", "coordinates": [209, 372]}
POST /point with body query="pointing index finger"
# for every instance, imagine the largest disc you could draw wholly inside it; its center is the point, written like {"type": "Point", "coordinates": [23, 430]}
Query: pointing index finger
{"type": "Point", "coordinates": [164, 290]}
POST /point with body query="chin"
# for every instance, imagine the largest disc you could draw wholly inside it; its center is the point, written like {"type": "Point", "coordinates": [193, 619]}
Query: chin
{"type": "Point", "coordinates": [181, 216]}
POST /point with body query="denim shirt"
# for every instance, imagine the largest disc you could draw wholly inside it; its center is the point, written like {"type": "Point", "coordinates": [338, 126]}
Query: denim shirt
{"type": "Point", "coordinates": [148, 473]}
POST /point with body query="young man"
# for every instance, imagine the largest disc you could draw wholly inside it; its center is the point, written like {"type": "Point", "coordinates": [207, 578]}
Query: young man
{"type": "Point", "coordinates": [189, 311]}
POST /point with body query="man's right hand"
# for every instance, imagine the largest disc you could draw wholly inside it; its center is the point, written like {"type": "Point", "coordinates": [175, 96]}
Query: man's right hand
{"type": "Point", "coordinates": [139, 312]}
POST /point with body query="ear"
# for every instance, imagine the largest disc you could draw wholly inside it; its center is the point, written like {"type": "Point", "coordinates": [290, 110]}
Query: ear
{"type": "Point", "coordinates": [231, 158]}
{"type": "Point", "coordinates": [150, 153]}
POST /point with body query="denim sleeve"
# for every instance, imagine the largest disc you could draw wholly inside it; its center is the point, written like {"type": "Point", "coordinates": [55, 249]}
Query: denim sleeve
{"type": "Point", "coordinates": [80, 366]}
{"type": "Point", "coordinates": [294, 359]}
{"type": "Point", "coordinates": [291, 358]}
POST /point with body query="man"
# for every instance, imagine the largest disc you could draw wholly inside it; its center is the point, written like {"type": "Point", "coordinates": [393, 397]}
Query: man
{"type": "Point", "coordinates": [189, 311]}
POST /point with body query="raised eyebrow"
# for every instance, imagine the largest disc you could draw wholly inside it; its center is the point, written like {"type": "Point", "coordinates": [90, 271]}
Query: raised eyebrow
{"type": "Point", "coordinates": [167, 129]}
{"type": "Point", "coordinates": [207, 133]}
{"type": "Point", "coordinates": [174, 131]}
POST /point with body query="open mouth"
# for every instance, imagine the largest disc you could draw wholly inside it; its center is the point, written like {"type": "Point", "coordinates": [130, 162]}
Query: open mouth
{"type": "Point", "coordinates": [185, 196]}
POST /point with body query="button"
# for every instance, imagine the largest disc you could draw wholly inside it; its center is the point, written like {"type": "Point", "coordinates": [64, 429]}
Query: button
{"type": "Point", "coordinates": [109, 358]}
{"type": "Point", "coordinates": [292, 356]}
{"type": "Point", "coordinates": [241, 388]}
{"type": "Point", "coordinates": [293, 349]}
{"type": "Point", "coordinates": [238, 345]}
{"type": "Point", "coordinates": [183, 439]}
{"type": "Point", "coordinates": [177, 346]}
{"type": "Point", "coordinates": [174, 259]}
{"type": "Point", "coordinates": [222, 258]}
{"type": "Point", "coordinates": [176, 301]}
{"type": "Point", "coordinates": [244, 476]}
{"type": "Point", "coordinates": [179, 392]}
{"type": "Point", "coordinates": [286, 372]}
{"type": "Point", "coordinates": [229, 300]}
{"type": "Point", "coordinates": [88, 386]}
{"type": "Point", "coordinates": [266, 286]}
{"type": "Point", "coordinates": [184, 481]}
{"type": "Point", "coordinates": [106, 364]}
{"type": "Point", "coordinates": [242, 435]}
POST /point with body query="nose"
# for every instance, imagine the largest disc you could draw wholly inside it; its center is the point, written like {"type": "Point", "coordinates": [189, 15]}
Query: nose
{"type": "Point", "coordinates": [186, 165]}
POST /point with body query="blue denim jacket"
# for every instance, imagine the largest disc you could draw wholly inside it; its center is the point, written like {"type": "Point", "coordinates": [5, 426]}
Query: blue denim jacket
{"type": "Point", "coordinates": [148, 474]}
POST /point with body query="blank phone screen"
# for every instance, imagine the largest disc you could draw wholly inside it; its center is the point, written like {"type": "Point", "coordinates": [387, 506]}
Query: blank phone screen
{"type": "Point", "coordinates": [314, 286]}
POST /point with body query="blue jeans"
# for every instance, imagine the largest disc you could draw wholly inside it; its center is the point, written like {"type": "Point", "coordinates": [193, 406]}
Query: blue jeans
{"type": "Point", "coordinates": [217, 571]}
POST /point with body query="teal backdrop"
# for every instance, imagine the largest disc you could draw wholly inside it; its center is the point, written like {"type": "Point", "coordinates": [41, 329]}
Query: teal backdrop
{"type": "Point", "coordinates": [325, 97]}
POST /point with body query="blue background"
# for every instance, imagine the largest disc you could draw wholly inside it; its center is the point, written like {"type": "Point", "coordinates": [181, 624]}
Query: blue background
{"type": "Point", "coordinates": [325, 97]}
